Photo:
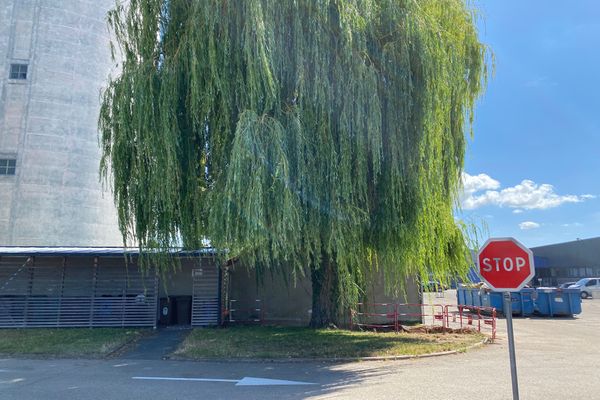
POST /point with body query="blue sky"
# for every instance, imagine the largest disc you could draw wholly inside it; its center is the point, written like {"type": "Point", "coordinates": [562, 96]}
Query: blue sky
{"type": "Point", "coordinates": [533, 166]}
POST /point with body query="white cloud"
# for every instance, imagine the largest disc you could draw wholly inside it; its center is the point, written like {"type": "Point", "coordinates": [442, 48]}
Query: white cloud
{"type": "Point", "coordinates": [527, 195]}
{"type": "Point", "coordinates": [472, 184]}
{"type": "Point", "coordinates": [528, 225]}
{"type": "Point", "coordinates": [517, 211]}
{"type": "Point", "coordinates": [540, 81]}
{"type": "Point", "coordinates": [574, 224]}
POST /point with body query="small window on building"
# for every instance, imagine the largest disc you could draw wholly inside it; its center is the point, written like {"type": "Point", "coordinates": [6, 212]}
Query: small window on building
{"type": "Point", "coordinates": [8, 166]}
{"type": "Point", "coordinates": [18, 71]}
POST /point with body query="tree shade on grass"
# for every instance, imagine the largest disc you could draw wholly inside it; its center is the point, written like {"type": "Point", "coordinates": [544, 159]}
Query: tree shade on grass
{"type": "Point", "coordinates": [280, 342]}
{"type": "Point", "coordinates": [325, 136]}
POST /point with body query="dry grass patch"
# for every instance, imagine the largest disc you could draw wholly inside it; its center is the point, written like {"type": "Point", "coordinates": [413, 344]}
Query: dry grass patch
{"type": "Point", "coordinates": [285, 342]}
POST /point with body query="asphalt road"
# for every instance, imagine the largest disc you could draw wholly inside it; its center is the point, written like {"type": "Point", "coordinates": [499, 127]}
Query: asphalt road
{"type": "Point", "coordinates": [556, 358]}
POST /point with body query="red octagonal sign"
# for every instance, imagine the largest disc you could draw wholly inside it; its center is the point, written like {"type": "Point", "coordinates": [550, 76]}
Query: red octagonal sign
{"type": "Point", "coordinates": [505, 264]}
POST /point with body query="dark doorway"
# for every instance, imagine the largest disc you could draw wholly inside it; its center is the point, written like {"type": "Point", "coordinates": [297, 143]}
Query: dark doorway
{"type": "Point", "coordinates": [175, 310]}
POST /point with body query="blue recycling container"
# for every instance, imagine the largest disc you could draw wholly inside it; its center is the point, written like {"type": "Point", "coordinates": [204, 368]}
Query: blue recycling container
{"type": "Point", "coordinates": [476, 296]}
{"type": "Point", "coordinates": [466, 296]}
{"type": "Point", "coordinates": [461, 293]}
{"type": "Point", "coordinates": [553, 301]}
{"type": "Point", "coordinates": [492, 299]}
{"type": "Point", "coordinates": [522, 302]}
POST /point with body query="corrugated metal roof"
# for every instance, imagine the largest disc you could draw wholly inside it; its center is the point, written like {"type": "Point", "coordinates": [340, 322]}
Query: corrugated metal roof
{"type": "Point", "coordinates": [90, 251]}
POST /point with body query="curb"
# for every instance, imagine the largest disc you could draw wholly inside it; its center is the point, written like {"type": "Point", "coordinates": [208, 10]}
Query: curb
{"type": "Point", "coordinates": [333, 360]}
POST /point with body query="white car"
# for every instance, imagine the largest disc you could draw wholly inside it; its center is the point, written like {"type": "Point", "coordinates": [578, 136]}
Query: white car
{"type": "Point", "coordinates": [589, 287]}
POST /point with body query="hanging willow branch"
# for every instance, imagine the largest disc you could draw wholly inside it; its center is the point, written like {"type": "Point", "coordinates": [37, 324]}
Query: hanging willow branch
{"type": "Point", "coordinates": [295, 132]}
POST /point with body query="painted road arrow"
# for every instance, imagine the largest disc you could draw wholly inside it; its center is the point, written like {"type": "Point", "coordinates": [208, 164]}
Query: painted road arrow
{"type": "Point", "coordinates": [245, 381]}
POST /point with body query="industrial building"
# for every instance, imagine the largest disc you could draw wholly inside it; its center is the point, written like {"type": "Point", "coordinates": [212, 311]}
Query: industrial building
{"type": "Point", "coordinates": [56, 59]}
{"type": "Point", "coordinates": [567, 262]}
{"type": "Point", "coordinates": [96, 287]}
{"type": "Point", "coordinates": [62, 263]}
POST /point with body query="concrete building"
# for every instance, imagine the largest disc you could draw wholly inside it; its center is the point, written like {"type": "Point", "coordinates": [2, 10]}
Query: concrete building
{"type": "Point", "coordinates": [60, 261]}
{"type": "Point", "coordinates": [55, 59]}
{"type": "Point", "coordinates": [567, 262]}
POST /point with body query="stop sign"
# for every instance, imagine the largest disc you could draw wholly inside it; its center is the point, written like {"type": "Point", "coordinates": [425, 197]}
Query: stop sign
{"type": "Point", "coordinates": [505, 264]}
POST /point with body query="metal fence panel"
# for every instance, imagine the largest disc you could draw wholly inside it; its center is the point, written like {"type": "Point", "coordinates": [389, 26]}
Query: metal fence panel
{"type": "Point", "coordinates": [75, 292]}
{"type": "Point", "coordinates": [205, 299]}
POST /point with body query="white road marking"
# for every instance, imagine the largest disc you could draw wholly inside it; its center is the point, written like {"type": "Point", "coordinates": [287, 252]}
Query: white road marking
{"type": "Point", "coordinates": [245, 381]}
{"type": "Point", "coordinates": [16, 380]}
{"type": "Point", "coordinates": [160, 378]}
{"type": "Point", "coordinates": [249, 381]}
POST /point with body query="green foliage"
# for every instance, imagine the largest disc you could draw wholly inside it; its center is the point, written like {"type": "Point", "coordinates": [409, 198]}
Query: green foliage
{"type": "Point", "coordinates": [69, 342]}
{"type": "Point", "coordinates": [292, 131]}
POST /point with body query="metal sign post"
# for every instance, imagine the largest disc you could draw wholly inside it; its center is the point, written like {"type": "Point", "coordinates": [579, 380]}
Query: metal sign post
{"type": "Point", "coordinates": [511, 345]}
{"type": "Point", "coordinates": [506, 266]}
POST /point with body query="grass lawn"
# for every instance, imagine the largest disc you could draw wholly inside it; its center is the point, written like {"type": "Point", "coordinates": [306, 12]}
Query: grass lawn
{"type": "Point", "coordinates": [280, 342]}
{"type": "Point", "coordinates": [67, 342]}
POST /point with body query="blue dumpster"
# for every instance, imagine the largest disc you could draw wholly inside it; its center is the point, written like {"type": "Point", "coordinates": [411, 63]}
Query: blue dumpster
{"type": "Point", "coordinates": [461, 293]}
{"type": "Point", "coordinates": [467, 296]}
{"type": "Point", "coordinates": [492, 299]}
{"type": "Point", "coordinates": [522, 302]}
{"type": "Point", "coordinates": [476, 295]}
{"type": "Point", "coordinates": [553, 301]}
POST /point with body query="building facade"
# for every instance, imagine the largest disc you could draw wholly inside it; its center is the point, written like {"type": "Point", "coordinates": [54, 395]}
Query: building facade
{"type": "Point", "coordinates": [55, 59]}
{"type": "Point", "coordinates": [106, 286]}
{"type": "Point", "coordinates": [567, 262]}
{"type": "Point", "coordinates": [60, 260]}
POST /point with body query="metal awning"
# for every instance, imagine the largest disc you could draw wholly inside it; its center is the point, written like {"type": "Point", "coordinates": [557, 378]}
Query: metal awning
{"type": "Point", "coordinates": [92, 251]}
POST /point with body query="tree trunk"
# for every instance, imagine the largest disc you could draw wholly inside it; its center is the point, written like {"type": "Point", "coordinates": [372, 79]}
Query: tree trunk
{"type": "Point", "coordinates": [326, 295]}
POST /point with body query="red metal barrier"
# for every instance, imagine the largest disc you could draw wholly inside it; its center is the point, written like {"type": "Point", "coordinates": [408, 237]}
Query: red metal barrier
{"type": "Point", "coordinates": [474, 317]}
{"type": "Point", "coordinates": [389, 316]}
{"type": "Point", "coordinates": [432, 314]}
{"type": "Point", "coordinates": [365, 314]}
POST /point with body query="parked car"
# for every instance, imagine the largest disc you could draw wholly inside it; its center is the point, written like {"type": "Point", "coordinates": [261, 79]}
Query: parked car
{"type": "Point", "coordinates": [589, 287]}
{"type": "Point", "coordinates": [566, 285]}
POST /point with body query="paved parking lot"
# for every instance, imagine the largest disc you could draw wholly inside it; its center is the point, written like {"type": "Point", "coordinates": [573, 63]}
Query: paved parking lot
{"type": "Point", "coordinates": [557, 358]}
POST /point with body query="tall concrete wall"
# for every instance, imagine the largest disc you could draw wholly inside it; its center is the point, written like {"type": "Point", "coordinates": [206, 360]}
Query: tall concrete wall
{"type": "Point", "coordinates": [48, 122]}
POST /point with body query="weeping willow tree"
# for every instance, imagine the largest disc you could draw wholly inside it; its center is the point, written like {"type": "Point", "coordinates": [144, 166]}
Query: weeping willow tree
{"type": "Point", "coordinates": [325, 136]}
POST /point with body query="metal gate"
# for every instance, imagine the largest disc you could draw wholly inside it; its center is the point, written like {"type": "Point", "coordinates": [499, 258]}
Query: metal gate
{"type": "Point", "coordinates": [75, 292]}
{"type": "Point", "coordinates": [205, 299]}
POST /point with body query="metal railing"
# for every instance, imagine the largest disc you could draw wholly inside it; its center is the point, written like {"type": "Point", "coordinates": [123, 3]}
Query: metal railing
{"type": "Point", "coordinates": [482, 319]}
{"type": "Point", "coordinates": [392, 317]}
